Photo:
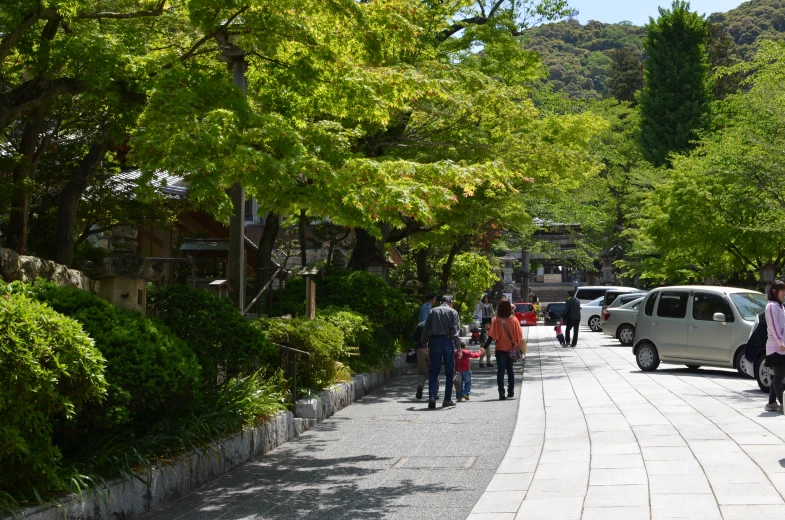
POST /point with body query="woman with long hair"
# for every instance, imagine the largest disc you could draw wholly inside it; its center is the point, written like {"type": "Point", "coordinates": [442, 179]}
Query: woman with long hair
{"type": "Point", "coordinates": [506, 331]}
{"type": "Point", "coordinates": [775, 344]}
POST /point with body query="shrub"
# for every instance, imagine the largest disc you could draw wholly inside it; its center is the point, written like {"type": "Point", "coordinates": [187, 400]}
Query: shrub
{"type": "Point", "coordinates": [322, 340]}
{"type": "Point", "coordinates": [214, 330]}
{"type": "Point", "coordinates": [361, 292]}
{"type": "Point", "coordinates": [147, 366]}
{"type": "Point", "coordinates": [357, 329]}
{"type": "Point", "coordinates": [49, 369]}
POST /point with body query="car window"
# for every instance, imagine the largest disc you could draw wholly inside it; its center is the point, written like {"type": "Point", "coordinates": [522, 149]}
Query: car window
{"type": "Point", "coordinates": [595, 303]}
{"type": "Point", "coordinates": [749, 304]}
{"type": "Point", "coordinates": [704, 305]}
{"type": "Point", "coordinates": [636, 306]}
{"type": "Point", "coordinates": [673, 304]}
{"type": "Point", "coordinates": [523, 307]}
{"type": "Point", "coordinates": [649, 309]}
{"type": "Point", "coordinates": [589, 294]}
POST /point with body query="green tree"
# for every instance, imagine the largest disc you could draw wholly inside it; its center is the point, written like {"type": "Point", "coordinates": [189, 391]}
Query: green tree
{"type": "Point", "coordinates": [720, 211]}
{"type": "Point", "coordinates": [675, 99]}
{"type": "Point", "coordinates": [625, 74]}
{"type": "Point", "coordinates": [473, 275]}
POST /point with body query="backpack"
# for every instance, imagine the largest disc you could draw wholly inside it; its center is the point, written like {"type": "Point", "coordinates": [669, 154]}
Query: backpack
{"type": "Point", "coordinates": [758, 338]}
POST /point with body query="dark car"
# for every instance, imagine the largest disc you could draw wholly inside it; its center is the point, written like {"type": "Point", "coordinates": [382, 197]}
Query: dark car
{"type": "Point", "coordinates": [553, 312]}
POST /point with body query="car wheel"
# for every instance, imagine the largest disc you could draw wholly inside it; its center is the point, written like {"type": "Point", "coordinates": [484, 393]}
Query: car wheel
{"type": "Point", "coordinates": [762, 374]}
{"type": "Point", "coordinates": [648, 358]}
{"type": "Point", "coordinates": [626, 335]}
{"type": "Point", "coordinates": [594, 324]}
{"type": "Point", "coordinates": [693, 368]}
{"type": "Point", "coordinates": [738, 359]}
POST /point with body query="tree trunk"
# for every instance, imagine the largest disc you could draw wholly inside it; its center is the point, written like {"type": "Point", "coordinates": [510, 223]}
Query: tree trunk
{"type": "Point", "coordinates": [22, 173]}
{"type": "Point", "coordinates": [272, 226]}
{"type": "Point", "coordinates": [447, 267]}
{"type": "Point", "coordinates": [301, 231]}
{"type": "Point", "coordinates": [423, 274]}
{"type": "Point", "coordinates": [69, 201]}
{"type": "Point", "coordinates": [364, 248]}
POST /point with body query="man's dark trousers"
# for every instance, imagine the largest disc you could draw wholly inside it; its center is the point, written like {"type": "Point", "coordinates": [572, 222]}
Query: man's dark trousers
{"type": "Point", "coordinates": [572, 325]}
{"type": "Point", "coordinates": [441, 350]}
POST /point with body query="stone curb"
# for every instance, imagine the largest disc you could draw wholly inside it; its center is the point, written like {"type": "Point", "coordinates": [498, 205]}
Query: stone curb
{"type": "Point", "coordinates": [146, 492]}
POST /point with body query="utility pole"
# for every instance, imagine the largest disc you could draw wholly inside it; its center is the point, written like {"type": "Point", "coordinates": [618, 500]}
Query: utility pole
{"type": "Point", "coordinates": [235, 266]}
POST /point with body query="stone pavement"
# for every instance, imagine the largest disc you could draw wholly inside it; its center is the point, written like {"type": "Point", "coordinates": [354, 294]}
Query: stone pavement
{"type": "Point", "coordinates": [597, 438]}
{"type": "Point", "coordinates": [385, 456]}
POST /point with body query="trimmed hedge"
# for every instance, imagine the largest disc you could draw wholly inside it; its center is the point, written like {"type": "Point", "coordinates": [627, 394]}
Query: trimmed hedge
{"type": "Point", "coordinates": [324, 341]}
{"type": "Point", "coordinates": [214, 331]}
{"type": "Point", "coordinates": [147, 367]}
{"type": "Point", "coordinates": [49, 370]}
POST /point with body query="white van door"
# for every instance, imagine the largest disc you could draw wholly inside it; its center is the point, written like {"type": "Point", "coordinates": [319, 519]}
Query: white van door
{"type": "Point", "coordinates": [709, 340]}
{"type": "Point", "coordinates": [670, 324]}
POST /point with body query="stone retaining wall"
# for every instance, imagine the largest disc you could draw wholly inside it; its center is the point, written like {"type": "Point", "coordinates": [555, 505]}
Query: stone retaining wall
{"type": "Point", "coordinates": [15, 267]}
{"type": "Point", "coordinates": [125, 498]}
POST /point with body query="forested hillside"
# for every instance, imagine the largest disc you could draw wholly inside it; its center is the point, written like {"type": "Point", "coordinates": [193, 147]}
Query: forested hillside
{"type": "Point", "coordinates": [579, 57]}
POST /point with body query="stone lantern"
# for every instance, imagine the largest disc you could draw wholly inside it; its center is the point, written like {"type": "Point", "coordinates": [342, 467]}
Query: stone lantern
{"type": "Point", "coordinates": [124, 274]}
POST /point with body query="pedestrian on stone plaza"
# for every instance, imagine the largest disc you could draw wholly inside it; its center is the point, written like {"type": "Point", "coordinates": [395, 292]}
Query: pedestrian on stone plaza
{"type": "Point", "coordinates": [426, 307]}
{"type": "Point", "coordinates": [423, 363]}
{"type": "Point", "coordinates": [506, 331]}
{"type": "Point", "coordinates": [441, 334]}
{"type": "Point", "coordinates": [571, 318]}
{"type": "Point", "coordinates": [483, 312]}
{"type": "Point", "coordinates": [775, 344]}
{"type": "Point", "coordinates": [463, 367]}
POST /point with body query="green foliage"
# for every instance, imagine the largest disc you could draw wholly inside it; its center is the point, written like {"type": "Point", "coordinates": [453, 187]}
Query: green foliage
{"type": "Point", "coordinates": [148, 367]}
{"type": "Point", "coordinates": [49, 370]}
{"type": "Point", "coordinates": [752, 23]}
{"type": "Point", "coordinates": [625, 74]}
{"type": "Point", "coordinates": [718, 213]}
{"type": "Point", "coordinates": [473, 275]}
{"type": "Point", "coordinates": [357, 329]}
{"type": "Point", "coordinates": [578, 57]}
{"type": "Point", "coordinates": [213, 329]}
{"type": "Point", "coordinates": [675, 101]}
{"type": "Point", "coordinates": [323, 341]}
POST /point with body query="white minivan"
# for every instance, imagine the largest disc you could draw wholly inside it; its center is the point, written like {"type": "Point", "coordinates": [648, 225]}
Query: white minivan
{"type": "Point", "coordinates": [695, 326]}
{"type": "Point", "coordinates": [588, 293]}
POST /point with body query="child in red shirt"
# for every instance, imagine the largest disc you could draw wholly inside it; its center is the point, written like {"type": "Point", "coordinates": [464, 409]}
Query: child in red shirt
{"type": "Point", "coordinates": [463, 368]}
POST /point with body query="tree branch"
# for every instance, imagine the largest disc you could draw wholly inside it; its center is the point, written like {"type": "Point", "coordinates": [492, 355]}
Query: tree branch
{"type": "Point", "coordinates": [201, 41]}
{"type": "Point", "coordinates": [31, 94]}
{"type": "Point", "coordinates": [158, 11]}
{"type": "Point", "coordinates": [14, 36]}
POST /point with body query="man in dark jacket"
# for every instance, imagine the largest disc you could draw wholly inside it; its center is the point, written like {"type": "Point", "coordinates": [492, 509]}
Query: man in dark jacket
{"type": "Point", "coordinates": [441, 335]}
{"type": "Point", "coordinates": [571, 318]}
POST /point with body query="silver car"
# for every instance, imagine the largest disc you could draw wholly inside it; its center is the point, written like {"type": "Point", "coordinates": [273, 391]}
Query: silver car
{"type": "Point", "coordinates": [619, 321]}
{"type": "Point", "coordinates": [696, 325]}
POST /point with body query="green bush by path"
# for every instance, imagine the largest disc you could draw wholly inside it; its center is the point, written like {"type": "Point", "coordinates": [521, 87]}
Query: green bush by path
{"type": "Point", "coordinates": [322, 340]}
{"type": "Point", "coordinates": [147, 367]}
{"type": "Point", "coordinates": [214, 331]}
{"type": "Point", "coordinates": [49, 369]}
{"type": "Point", "coordinates": [359, 291]}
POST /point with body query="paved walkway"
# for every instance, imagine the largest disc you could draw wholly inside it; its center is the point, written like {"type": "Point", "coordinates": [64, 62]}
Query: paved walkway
{"type": "Point", "coordinates": [386, 456]}
{"type": "Point", "coordinates": [597, 438]}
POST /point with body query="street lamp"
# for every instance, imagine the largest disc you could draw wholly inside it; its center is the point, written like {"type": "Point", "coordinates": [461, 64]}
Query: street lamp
{"type": "Point", "coordinates": [767, 273]}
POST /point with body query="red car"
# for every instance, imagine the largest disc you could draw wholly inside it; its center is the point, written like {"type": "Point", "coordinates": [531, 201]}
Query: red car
{"type": "Point", "coordinates": [525, 314]}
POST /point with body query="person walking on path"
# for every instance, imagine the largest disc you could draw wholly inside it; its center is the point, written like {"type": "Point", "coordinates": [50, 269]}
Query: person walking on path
{"type": "Point", "coordinates": [426, 307]}
{"type": "Point", "coordinates": [463, 359]}
{"type": "Point", "coordinates": [775, 344]}
{"type": "Point", "coordinates": [483, 311]}
{"type": "Point", "coordinates": [441, 333]}
{"type": "Point", "coordinates": [506, 331]}
{"type": "Point", "coordinates": [423, 363]}
{"type": "Point", "coordinates": [571, 318]}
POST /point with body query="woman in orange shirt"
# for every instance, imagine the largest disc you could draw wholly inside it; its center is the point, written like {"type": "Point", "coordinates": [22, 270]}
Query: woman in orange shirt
{"type": "Point", "coordinates": [506, 331]}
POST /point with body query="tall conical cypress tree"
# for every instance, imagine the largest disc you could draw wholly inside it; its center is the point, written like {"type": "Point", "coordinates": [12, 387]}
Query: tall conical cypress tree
{"type": "Point", "coordinates": [675, 100]}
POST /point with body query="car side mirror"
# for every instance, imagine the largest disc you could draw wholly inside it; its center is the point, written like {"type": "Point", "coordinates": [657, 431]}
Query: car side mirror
{"type": "Point", "coordinates": [718, 316]}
